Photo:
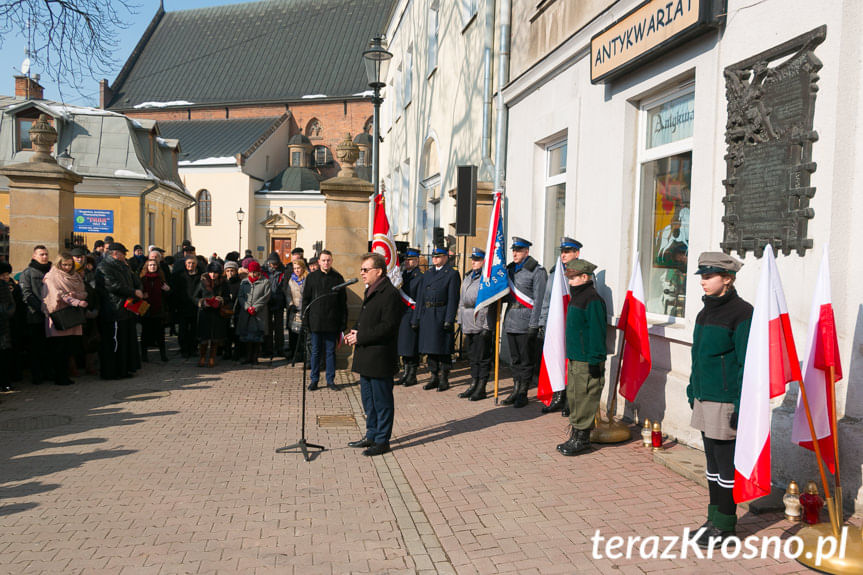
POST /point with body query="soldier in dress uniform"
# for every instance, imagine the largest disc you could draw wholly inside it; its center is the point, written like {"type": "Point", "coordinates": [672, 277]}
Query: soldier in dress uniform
{"type": "Point", "coordinates": [476, 328]}
{"type": "Point", "coordinates": [434, 317]}
{"type": "Point", "coordinates": [521, 323]}
{"type": "Point", "coordinates": [569, 250]}
{"type": "Point", "coordinates": [407, 344]}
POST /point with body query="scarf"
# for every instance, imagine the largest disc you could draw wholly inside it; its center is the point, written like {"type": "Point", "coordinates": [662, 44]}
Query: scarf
{"type": "Point", "coordinates": [41, 267]}
{"type": "Point", "coordinates": [58, 283]}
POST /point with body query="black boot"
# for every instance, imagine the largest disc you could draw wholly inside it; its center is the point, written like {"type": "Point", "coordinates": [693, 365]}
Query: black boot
{"type": "Point", "coordinates": [521, 396]}
{"type": "Point", "coordinates": [578, 442]}
{"type": "Point", "coordinates": [411, 378]}
{"type": "Point", "coordinates": [469, 391]}
{"type": "Point", "coordinates": [256, 353]}
{"type": "Point", "coordinates": [405, 373]}
{"type": "Point", "coordinates": [250, 349]}
{"type": "Point", "coordinates": [444, 380]}
{"type": "Point", "coordinates": [558, 399]}
{"type": "Point", "coordinates": [479, 393]}
{"type": "Point", "coordinates": [510, 399]}
{"type": "Point", "coordinates": [163, 353]}
{"type": "Point", "coordinates": [434, 383]}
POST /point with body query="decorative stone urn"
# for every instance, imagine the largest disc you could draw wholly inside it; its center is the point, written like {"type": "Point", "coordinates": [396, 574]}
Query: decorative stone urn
{"type": "Point", "coordinates": [44, 136]}
{"type": "Point", "coordinates": [347, 152]}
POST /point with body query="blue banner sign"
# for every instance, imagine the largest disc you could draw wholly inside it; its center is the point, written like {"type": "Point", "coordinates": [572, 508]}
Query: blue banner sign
{"type": "Point", "coordinates": [94, 221]}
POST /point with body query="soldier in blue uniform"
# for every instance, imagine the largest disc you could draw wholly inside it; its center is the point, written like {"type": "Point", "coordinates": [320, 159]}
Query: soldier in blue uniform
{"type": "Point", "coordinates": [407, 344]}
{"type": "Point", "coordinates": [434, 317]}
{"type": "Point", "coordinates": [569, 250]}
{"type": "Point", "coordinates": [476, 328]}
{"type": "Point", "coordinates": [521, 323]}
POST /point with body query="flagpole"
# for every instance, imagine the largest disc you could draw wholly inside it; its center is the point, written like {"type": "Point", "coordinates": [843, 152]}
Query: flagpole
{"type": "Point", "coordinates": [612, 409]}
{"type": "Point", "coordinates": [831, 509]}
{"type": "Point", "coordinates": [496, 351]}
{"type": "Point", "coordinates": [831, 389]}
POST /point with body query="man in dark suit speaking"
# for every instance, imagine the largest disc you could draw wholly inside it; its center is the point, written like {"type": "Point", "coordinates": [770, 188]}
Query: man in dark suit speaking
{"type": "Point", "coordinates": [375, 339]}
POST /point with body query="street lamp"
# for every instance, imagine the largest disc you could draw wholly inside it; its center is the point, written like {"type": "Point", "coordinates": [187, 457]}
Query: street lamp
{"type": "Point", "coordinates": [377, 60]}
{"type": "Point", "coordinates": [240, 216]}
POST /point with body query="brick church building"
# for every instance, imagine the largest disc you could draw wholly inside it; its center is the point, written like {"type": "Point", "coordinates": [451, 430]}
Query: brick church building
{"type": "Point", "coordinates": [258, 95]}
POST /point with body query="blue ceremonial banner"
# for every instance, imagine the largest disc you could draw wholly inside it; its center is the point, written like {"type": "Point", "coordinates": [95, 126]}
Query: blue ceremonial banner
{"type": "Point", "coordinates": [94, 221]}
{"type": "Point", "coordinates": [494, 284]}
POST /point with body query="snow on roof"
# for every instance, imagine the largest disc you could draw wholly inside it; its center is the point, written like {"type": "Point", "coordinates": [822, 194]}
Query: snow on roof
{"type": "Point", "coordinates": [313, 96]}
{"type": "Point", "coordinates": [365, 93]}
{"type": "Point", "coordinates": [163, 104]}
{"type": "Point", "coordinates": [130, 174]}
{"type": "Point", "coordinates": [209, 161]}
{"type": "Point", "coordinates": [62, 110]}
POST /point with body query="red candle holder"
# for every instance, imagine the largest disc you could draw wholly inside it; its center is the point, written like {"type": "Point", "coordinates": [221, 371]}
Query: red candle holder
{"type": "Point", "coordinates": [812, 504]}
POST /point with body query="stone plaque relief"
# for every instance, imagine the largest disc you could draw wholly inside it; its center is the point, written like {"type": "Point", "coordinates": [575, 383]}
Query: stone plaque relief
{"type": "Point", "coordinates": [769, 136]}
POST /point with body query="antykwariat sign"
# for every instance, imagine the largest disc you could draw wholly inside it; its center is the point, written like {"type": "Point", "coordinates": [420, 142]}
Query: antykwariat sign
{"type": "Point", "coordinates": [648, 31]}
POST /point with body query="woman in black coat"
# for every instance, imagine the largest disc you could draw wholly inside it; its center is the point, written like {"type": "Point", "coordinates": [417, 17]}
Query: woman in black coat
{"type": "Point", "coordinates": [375, 341]}
{"type": "Point", "coordinates": [211, 295]}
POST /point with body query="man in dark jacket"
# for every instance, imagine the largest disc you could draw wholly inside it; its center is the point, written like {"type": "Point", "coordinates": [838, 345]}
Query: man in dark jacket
{"type": "Point", "coordinates": [408, 350]}
{"type": "Point", "coordinates": [434, 317]}
{"type": "Point", "coordinates": [326, 319]}
{"type": "Point", "coordinates": [376, 354]}
{"type": "Point", "coordinates": [184, 282]}
{"type": "Point", "coordinates": [115, 282]}
{"type": "Point", "coordinates": [31, 289]}
{"type": "Point", "coordinates": [274, 343]}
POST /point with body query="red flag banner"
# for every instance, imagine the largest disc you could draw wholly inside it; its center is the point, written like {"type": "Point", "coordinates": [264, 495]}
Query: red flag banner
{"type": "Point", "coordinates": [636, 361]}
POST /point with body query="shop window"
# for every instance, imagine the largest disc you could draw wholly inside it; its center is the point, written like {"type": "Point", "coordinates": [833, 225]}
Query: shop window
{"type": "Point", "coordinates": [665, 158]}
{"type": "Point", "coordinates": [555, 200]}
{"type": "Point", "coordinates": [203, 209]}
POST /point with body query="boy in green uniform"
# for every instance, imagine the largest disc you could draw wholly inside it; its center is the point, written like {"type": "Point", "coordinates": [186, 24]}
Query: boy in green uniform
{"type": "Point", "coordinates": [586, 320]}
{"type": "Point", "coordinates": [718, 350]}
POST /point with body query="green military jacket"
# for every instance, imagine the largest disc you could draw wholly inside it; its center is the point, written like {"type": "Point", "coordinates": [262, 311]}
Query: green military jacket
{"type": "Point", "coordinates": [585, 325]}
{"type": "Point", "coordinates": [719, 349]}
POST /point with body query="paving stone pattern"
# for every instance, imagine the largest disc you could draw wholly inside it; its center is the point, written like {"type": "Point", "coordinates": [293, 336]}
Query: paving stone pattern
{"type": "Point", "coordinates": [176, 471]}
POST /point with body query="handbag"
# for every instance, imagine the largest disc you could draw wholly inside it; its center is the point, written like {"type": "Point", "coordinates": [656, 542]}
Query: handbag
{"type": "Point", "coordinates": [68, 317]}
{"type": "Point", "coordinates": [295, 324]}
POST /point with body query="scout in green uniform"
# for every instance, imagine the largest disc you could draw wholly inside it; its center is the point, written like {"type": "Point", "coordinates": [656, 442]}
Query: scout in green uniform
{"type": "Point", "coordinates": [718, 350]}
{"type": "Point", "coordinates": [586, 320]}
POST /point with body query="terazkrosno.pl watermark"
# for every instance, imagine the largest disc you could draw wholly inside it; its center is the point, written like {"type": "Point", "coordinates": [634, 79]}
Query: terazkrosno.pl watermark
{"type": "Point", "coordinates": [685, 546]}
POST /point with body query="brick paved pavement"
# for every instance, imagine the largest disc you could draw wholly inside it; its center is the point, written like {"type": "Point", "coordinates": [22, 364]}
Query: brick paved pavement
{"type": "Point", "coordinates": [175, 471]}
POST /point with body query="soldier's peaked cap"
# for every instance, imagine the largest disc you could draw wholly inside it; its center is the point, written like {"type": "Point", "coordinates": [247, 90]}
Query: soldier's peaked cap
{"type": "Point", "coordinates": [717, 262]}
{"type": "Point", "coordinates": [439, 251]}
{"type": "Point", "coordinates": [569, 243]}
{"type": "Point", "coordinates": [412, 253]}
{"type": "Point", "coordinates": [477, 254]}
{"type": "Point", "coordinates": [519, 243]}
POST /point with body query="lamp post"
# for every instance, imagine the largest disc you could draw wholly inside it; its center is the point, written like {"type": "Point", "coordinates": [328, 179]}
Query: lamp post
{"type": "Point", "coordinates": [377, 60]}
{"type": "Point", "coordinates": [240, 216]}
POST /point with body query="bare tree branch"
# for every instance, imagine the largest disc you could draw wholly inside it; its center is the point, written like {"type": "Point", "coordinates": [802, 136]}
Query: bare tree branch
{"type": "Point", "coordinates": [72, 40]}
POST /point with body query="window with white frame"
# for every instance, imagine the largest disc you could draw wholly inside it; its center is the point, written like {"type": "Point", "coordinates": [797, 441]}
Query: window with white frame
{"type": "Point", "coordinates": [407, 76]}
{"type": "Point", "coordinates": [665, 160]}
{"type": "Point", "coordinates": [432, 35]}
{"type": "Point", "coordinates": [555, 199]}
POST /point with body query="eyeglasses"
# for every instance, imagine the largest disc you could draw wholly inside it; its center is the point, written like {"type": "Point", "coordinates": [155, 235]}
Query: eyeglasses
{"type": "Point", "coordinates": [365, 270]}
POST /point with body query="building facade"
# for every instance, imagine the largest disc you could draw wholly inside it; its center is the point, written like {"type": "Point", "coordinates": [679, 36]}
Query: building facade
{"type": "Point", "coordinates": [623, 139]}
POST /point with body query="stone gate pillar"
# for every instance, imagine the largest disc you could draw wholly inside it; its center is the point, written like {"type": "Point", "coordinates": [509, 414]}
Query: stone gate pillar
{"type": "Point", "coordinates": [41, 199]}
{"type": "Point", "coordinates": [347, 201]}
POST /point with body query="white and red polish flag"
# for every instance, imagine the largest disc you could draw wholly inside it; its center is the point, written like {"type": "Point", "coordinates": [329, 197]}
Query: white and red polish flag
{"type": "Point", "coordinates": [636, 362]}
{"type": "Point", "coordinates": [771, 362]}
{"type": "Point", "coordinates": [822, 352]}
{"type": "Point", "coordinates": [384, 243]}
{"type": "Point", "coordinates": [552, 371]}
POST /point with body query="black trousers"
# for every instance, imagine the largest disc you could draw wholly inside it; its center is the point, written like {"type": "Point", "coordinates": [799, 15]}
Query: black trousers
{"type": "Point", "coordinates": [118, 349]}
{"type": "Point", "coordinates": [439, 362]}
{"type": "Point", "coordinates": [275, 340]}
{"type": "Point", "coordinates": [479, 352]}
{"type": "Point", "coordinates": [188, 333]}
{"type": "Point", "coordinates": [36, 343]}
{"type": "Point", "coordinates": [522, 356]}
{"type": "Point", "coordinates": [61, 350]}
{"type": "Point", "coordinates": [720, 473]}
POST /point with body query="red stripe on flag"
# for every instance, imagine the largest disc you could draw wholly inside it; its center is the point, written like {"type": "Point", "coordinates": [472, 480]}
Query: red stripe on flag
{"type": "Point", "coordinates": [636, 361]}
{"type": "Point", "coordinates": [758, 484]}
{"type": "Point", "coordinates": [543, 387]}
{"type": "Point", "coordinates": [827, 342]}
{"type": "Point", "coordinates": [784, 366]}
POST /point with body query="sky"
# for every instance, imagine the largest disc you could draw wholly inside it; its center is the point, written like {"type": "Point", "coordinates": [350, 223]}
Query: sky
{"type": "Point", "coordinates": [12, 53]}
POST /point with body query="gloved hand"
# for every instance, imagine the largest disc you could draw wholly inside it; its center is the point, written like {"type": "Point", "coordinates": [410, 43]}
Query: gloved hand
{"type": "Point", "coordinates": [540, 333]}
{"type": "Point", "coordinates": [733, 422]}
{"type": "Point", "coordinates": [415, 326]}
{"type": "Point", "coordinates": [251, 310]}
{"type": "Point", "coordinates": [447, 327]}
{"type": "Point", "coordinates": [595, 369]}
{"type": "Point", "coordinates": [531, 332]}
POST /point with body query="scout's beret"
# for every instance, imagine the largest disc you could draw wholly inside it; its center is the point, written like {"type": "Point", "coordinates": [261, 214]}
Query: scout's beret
{"type": "Point", "coordinates": [519, 243]}
{"type": "Point", "coordinates": [412, 253]}
{"type": "Point", "coordinates": [580, 267]}
{"type": "Point", "coordinates": [569, 244]}
{"type": "Point", "coordinates": [117, 247]}
{"type": "Point", "coordinates": [717, 263]}
{"type": "Point", "coordinates": [477, 254]}
{"type": "Point", "coordinates": [439, 251]}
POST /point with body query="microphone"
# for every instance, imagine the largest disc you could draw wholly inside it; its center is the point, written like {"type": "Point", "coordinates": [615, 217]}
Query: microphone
{"type": "Point", "coordinates": [351, 281]}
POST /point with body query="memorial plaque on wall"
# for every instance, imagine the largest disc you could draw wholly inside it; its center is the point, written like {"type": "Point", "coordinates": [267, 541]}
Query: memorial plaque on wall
{"type": "Point", "coordinates": [769, 136]}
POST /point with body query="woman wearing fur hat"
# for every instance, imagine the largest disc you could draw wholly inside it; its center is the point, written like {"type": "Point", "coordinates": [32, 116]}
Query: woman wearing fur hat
{"type": "Point", "coordinates": [62, 288]}
{"type": "Point", "coordinates": [212, 293]}
{"type": "Point", "coordinates": [251, 311]}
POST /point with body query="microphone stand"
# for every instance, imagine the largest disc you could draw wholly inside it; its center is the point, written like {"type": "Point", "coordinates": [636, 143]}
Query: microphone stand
{"type": "Point", "coordinates": [302, 445]}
